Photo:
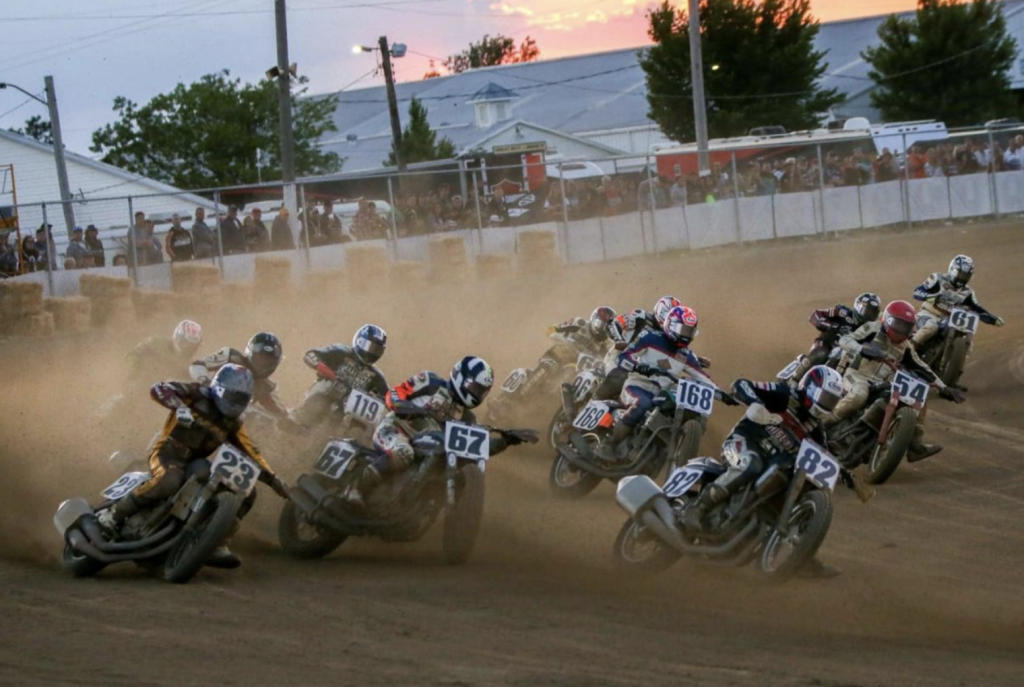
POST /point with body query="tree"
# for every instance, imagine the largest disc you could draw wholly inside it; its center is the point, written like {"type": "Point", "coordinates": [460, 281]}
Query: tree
{"type": "Point", "coordinates": [489, 52]}
{"type": "Point", "coordinates": [208, 133]}
{"type": "Point", "coordinates": [432, 72]}
{"type": "Point", "coordinates": [760, 67]}
{"type": "Point", "coordinates": [951, 61]}
{"type": "Point", "coordinates": [38, 128]}
{"type": "Point", "coordinates": [419, 142]}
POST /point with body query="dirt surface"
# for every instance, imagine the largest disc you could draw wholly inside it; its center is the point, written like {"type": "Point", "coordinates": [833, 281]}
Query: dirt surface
{"type": "Point", "coordinates": [932, 591]}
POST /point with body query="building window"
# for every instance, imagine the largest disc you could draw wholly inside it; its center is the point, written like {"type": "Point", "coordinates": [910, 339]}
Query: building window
{"type": "Point", "coordinates": [483, 119]}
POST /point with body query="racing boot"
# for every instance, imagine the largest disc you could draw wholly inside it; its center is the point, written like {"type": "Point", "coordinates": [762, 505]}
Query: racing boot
{"type": "Point", "coordinates": [111, 519]}
{"type": "Point", "coordinates": [224, 558]}
{"type": "Point", "coordinates": [815, 569]}
{"type": "Point", "coordinates": [606, 449]}
{"type": "Point", "coordinates": [919, 451]}
{"type": "Point", "coordinates": [693, 516]}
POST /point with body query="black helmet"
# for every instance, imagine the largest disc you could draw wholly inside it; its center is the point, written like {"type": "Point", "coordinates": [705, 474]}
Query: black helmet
{"type": "Point", "coordinates": [599, 321]}
{"type": "Point", "coordinates": [264, 354]}
{"type": "Point", "coordinates": [369, 343]}
{"type": "Point", "coordinates": [867, 306]}
{"type": "Point", "coordinates": [231, 390]}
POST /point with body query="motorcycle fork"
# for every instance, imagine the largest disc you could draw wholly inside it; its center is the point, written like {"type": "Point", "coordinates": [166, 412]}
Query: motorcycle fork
{"type": "Point", "coordinates": [795, 487]}
{"type": "Point", "coordinates": [890, 410]}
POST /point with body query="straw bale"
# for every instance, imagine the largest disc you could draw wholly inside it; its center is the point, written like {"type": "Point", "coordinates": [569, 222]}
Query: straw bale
{"type": "Point", "coordinates": [112, 310]}
{"type": "Point", "coordinates": [194, 277]}
{"type": "Point", "coordinates": [36, 326]}
{"type": "Point", "coordinates": [70, 314]}
{"type": "Point", "coordinates": [448, 250]}
{"type": "Point", "coordinates": [494, 265]}
{"type": "Point", "coordinates": [103, 286]}
{"type": "Point", "coordinates": [148, 304]}
{"type": "Point", "coordinates": [409, 273]}
{"type": "Point", "coordinates": [20, 298]}
{"type": "Point", "coordinates": [366, 265]}
{"type": "Point", "coordinates": [274, 273]}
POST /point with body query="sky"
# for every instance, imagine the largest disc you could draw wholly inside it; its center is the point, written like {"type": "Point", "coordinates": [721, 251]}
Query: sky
{"type": "Point", "coordinates": [139, 48]}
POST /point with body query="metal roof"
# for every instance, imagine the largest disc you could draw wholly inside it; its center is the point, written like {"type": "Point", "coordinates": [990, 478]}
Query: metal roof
{"type": "Point", "coordinates": [574, 95]}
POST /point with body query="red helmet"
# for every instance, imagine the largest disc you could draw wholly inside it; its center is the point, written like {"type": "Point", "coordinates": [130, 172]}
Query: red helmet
{"type": "Point", "coordinates": [898, 321]}
{"type": "Point", "coordinates": [680, 325]}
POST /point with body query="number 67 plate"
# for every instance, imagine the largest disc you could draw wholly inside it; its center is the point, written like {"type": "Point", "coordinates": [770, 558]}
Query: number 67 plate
{"type": "Point", "coordinates": [469, 442]}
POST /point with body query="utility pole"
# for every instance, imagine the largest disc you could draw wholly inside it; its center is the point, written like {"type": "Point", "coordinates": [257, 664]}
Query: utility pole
{"type": "Point", "coordinates": [700, 112]}
{"type": "Point", "coordinates": [58, 155]}
{"type": "Point", "coordinates": [396, 124]}
{"type": "Point", "coordinates": [284, 102]}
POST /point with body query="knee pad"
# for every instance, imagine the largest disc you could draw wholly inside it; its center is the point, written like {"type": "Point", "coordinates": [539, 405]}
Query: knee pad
{"type": "Point", "coordinates": [162, 486]}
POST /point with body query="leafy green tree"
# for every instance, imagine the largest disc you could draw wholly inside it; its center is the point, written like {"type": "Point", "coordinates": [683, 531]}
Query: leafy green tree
{"type": "Point", "coordinates": [489, 52]}
{"type": "Point", "coordinates": [38, 128]}
{"type": "Point", "coordinates": [760, 67]}
{"type": "Point", "coordinates": [950, 61]}
{"type": "Point", "coordinates": [419, 142]}
{"type": "Point", "coordinates": [208, 133]}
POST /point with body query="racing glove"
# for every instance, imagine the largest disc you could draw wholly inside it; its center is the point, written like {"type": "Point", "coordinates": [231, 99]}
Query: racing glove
{"type": "Point", "coordinates": [951, 394]}
{"type": "Point", "coordinates": [999, 322]}
{"type": "Point", "coordinates": [646, 370]}
{"type": "Point", "coordinates": [279, 487]}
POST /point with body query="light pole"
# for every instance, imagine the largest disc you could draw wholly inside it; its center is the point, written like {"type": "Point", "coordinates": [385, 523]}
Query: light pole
{"type": "Point", "coordinates": [700, 112]}
{"type": "Point", "coordinates": [283, 73]}
{"type": "Point", "coordinates": [58, 149]}
{"type": "Point", "coordinates": [397, 50]}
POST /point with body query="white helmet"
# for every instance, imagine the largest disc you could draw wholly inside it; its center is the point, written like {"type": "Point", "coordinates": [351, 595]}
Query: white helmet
{"type": "Point", "coordinates": [960, 270]}
{"type": "Point", "coordinates": [822, 388]}
{"type": "Point", "coordinates": [471, 380]}
{"type": "Point", "coordinates": [662, 307]}
{"type": "Point", "coordinates": [187, 337]}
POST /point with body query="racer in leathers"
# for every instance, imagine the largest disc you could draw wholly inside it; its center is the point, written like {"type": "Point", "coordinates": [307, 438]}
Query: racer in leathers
{"type": "Point", "coordinates": [201, 419]}
{"type": "Point", "coordinates": [424, 403]}
{"type": "Point", "coordinates": [940, 293]}
{"type": "Point", "coordinates": [834, 323]}
{"type": "Point", "coordinates": [162, 358]}
{"type": "Point", "coordinates": [582, 335]}
{"type": "Point", "coordinates": [779, 417]}
{"type": "Point", "coordinates": [866, 354]}
{"type": "Point", "coordinates": [646, 361]}
{"type": "Point", "coordinates": [261, 357]}
{"type": "Point", "coordinates": [340, 369]}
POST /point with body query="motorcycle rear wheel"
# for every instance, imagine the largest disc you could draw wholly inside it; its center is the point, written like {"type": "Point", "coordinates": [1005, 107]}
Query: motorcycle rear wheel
{"type": "Point", "coordinates": [885, 459]}
{"type": "Point", "coordinates": [303, 539]}
{"type": "Point", "coordinates": [558, 429]}
{"type": "Point", "coordinates": [79, 565]}
{"type": "Point", "coordinates": [809, 523]}
{"type": "Point", "coordinates": [462, 521]}
{"type": "Point", "coordinates": [195, 547]}
{"type": "Point", "coordinates": [637, 550]}
{"type": "Point", "coordinates": [568, 481]}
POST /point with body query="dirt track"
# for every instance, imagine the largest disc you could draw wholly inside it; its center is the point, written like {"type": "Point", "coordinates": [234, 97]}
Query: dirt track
{"type": "Point", "coordinates": [932, 592]}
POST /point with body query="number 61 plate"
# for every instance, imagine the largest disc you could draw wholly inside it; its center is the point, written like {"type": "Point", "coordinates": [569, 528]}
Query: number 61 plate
{"type": "Point", "coordinates": [467, 441]}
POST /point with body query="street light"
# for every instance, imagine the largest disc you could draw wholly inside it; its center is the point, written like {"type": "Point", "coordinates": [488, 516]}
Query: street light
{"type": "Point", "coordinates": [397, 50]}
{"type": "Point", "coordinates": [58, 147]}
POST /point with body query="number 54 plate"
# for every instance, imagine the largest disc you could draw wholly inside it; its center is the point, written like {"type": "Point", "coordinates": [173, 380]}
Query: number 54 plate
{"type": "Point", "coordinates": [821, 468]}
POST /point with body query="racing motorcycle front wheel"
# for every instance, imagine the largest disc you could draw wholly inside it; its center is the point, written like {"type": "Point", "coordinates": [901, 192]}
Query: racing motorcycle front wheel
{"type": "Point", "coordinates": [462, 521]}
{"type": "Point", "coordinates": [956, 358]}
{"type": "Point", "coordinates": [784, 554]}
{"type": "Point", "coordinates": [304, 539]}
{"type": "Point", "coordinates": [191, 553]}
{"type": "Point", "coordinates": [886, 458]}
{"type": "Point", "coordinates": [636, 548]}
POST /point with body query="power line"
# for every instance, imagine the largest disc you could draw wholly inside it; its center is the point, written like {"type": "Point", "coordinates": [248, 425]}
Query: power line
{"type": "Point", "coordinates": [385, 4]}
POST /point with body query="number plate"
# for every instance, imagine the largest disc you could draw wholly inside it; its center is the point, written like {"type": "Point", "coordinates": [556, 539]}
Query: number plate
{"type": "Point", "coordinates": [364, 406]}
{"type": "Point", "coordinates": [122, 487]}
{"type": "Point", "coordinates": [821, 468]}
{"type": "Point", "coordinates": [964, 320]}
{"type": "Point", "coordinates": [691, 395]}
{"type": "Point", "coordinates": [235, 469]}
{"type": "Point", "coordinates": [909, 389]}
{"type": "Point", "coordinates": [584, 385]}
{"type": "Point", "coordinates": [515, 379]}
{"type": "Point", "coordinates": [788, 371]}
{"type": "Point", "coordinates": [585, 362]}
{"type": "Point", "coordinates": [335, 459]}
{"type": "Point", "coordinates": [590, 417]}
{"type": "Point", "coordinates": [467, 441]}
{"type": "Point", "coordinates": [682, 480]}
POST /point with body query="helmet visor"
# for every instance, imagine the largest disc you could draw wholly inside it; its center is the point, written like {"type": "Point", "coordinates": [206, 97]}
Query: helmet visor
{"type": "Point", "coordinates": [682, 332]}
{"type": "Point", "coordinates": [900, 330]}
{"type": "Point", "coordinates": [369, 351]}
{"type": "Point", "coordinates": [961, 276]}
{"type": "Point", "coordinates": [476, 391]}
{"type": "Point", "coordinates": [231, 403]}
{"type": "Point", "coordinates": [868, 311]}
{"type": "Point", "coordinates": [826, 400]}
{"type": "Point", "coordinates": [264, 363]}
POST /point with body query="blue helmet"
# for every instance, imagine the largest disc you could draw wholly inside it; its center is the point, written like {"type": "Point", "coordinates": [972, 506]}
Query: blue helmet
{"type": "Point", "coordinates": [960, 270]}
{"type": "Point", "coordinates": [231, 390]}
{"type": "Point", "coordinates": [369, 343]}
{"type": "Point", "coordinates": [471, 381]}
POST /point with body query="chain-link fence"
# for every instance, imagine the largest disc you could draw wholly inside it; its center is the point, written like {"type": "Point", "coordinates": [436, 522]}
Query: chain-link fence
{"type": "Point", "coordinates": [588, 210]}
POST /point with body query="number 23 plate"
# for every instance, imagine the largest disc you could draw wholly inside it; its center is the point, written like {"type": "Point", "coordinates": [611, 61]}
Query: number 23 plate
{"type": "Point", "coordinates": [821, 468]}
{"type": "Point", "coordinates": [237, 470]}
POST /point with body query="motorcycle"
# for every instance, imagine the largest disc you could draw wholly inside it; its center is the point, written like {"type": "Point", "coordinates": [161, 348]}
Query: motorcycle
{"type": "Point", "coordinates": [447, 476]}
{"type": "Point", "coordinates": [781, 519]}
{"type": "Point", "coordinates": [523, 383]}
{"type": "Point", "coordinates": [824, 351]}
{"type": "Point", "coordinates": [178, 534]}
{"type": "Point", "coordinates": [881, 434]}
{"type": "Point", "coordinates": [590, 374]}
{"type": "Point", "coordinates": [946, 352]}
{"type": "Point", "coordinates": [670, 433]}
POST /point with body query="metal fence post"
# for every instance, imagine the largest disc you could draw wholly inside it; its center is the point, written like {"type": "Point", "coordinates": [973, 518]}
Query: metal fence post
{"type": "Point", "coordinates": [133, 251]}
{"type": "Point", "coordinates": [49, 253]}
{"type": "Point", "coordinates": [565, 211]}
{"type": "Point", "coordinates": [393, 239]}
{"type": "Point", "coordinates": [736, 198]}
{"type": "Point", "coordinates": [650, 204]}
{"type": "Point", "coordinates": [775, 229]}
{"type": "Point", "coordinates": [860, 208]}
{"type": "Point", "coordinates": [906, 183]}
{"type": "Point", "coordinates": [220, 237]}
{"type": "Point", "coordinates": [821, 194]}
{"type": "Point", "coordinates": [479, 215]}
{"type": "Point", "coordinates": [303, 231]}
{"type": "Point", "coordinates": [992, 173]}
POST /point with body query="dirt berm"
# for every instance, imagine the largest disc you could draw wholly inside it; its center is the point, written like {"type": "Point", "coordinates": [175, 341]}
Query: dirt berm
{"type": "Point", "coordinates": [931, 592]}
